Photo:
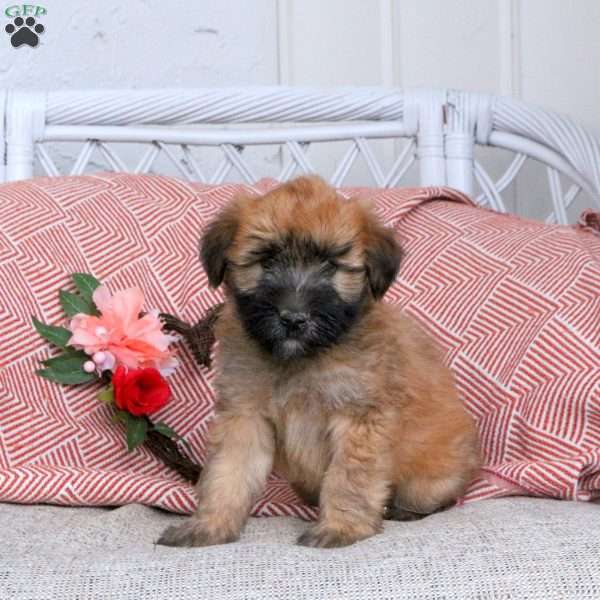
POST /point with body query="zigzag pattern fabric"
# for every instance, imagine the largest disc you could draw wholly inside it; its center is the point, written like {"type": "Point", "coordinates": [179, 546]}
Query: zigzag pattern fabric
{"type": "Point", "coordinates": [515, 304]}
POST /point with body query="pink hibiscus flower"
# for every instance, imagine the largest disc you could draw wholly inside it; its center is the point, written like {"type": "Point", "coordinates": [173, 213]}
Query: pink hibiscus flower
{"type": "Point", "coordinates": [119, 336]}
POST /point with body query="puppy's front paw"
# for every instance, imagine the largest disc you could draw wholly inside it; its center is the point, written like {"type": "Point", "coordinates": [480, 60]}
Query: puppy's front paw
{"type": "Point", "coordinates": [325, 537]}
{"type": "Point", "coordinates": [194, 533]}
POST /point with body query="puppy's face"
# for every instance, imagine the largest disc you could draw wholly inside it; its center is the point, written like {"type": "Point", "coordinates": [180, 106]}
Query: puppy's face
{"type": "Point", "coordinates": [300, 263]}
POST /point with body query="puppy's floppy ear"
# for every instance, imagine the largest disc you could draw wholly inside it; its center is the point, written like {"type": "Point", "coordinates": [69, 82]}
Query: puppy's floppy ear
{"type": "Point", "coordinates": [383, 255]}
{"type": "Point", "coordinates": [216, 241]}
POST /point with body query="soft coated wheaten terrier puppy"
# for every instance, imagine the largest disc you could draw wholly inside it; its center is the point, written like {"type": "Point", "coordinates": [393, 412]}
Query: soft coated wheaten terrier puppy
{"type": "Point", "coordinates": [320, 380]}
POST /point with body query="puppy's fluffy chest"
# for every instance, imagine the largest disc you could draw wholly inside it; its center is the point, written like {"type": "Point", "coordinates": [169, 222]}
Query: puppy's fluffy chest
{"type": "Point", "coordinates": [303, 410]}
{"type": "Point", "coordinates": [320, 387]}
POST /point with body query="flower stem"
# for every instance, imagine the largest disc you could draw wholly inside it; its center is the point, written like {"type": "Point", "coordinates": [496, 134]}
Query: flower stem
{"type": "Point", "coordinates": [167, 450]}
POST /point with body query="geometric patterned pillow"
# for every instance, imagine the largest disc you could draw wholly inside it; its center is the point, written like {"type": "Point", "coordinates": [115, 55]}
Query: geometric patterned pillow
{"type": "Point", "coordinates": [513, 303]}
{"type": "Point", "coordinates": [516, 306]}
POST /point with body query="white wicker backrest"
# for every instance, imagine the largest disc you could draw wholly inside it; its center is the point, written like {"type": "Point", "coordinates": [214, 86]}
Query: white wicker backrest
{"type": "Point", "coordinates": [441, 128]}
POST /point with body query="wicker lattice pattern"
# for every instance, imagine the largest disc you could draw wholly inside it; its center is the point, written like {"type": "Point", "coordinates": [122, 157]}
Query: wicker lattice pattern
{"type": "Point", "coordinates": [181, 157]}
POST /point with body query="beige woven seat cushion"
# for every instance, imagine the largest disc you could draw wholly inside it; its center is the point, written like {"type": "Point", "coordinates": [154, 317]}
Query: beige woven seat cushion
{"type": "Point", "coordinates": [505, 548]}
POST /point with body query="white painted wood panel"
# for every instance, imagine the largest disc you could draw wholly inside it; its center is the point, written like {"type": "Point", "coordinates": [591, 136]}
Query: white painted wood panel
{"type": "Point", "coordinates": [144, 43]}
{"type": "Point", "coordinates": [559, 69]}
{"type": "Point", "coordinates": [560, 57]}
{"type": "Point", "coordinates": [448, 43]}
{"type": "Point", "coordinates": [333, 43]}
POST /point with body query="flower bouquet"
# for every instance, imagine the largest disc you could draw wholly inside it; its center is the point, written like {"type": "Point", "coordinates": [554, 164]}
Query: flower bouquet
{"type": "Point", "coordinates": [111, 341]}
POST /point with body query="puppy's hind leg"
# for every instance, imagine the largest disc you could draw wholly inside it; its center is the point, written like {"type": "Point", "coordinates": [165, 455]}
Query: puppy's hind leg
{"type": "Point", "coordinates": [433, 464]}
{"type": "Point", "coordinates": [420, 496]}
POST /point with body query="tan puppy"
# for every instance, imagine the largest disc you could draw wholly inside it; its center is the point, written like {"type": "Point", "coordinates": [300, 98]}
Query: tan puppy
{"type": "Point", "coordinates": [320, 380]}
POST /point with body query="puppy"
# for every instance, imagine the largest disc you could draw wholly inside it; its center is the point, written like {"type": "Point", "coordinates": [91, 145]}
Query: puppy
{"type": "Point", "coordinates": [320, 380]}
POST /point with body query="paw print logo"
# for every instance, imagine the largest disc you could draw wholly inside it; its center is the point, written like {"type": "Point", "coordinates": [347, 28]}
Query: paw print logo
{"type": "Point", "coordinates": [24, 32]}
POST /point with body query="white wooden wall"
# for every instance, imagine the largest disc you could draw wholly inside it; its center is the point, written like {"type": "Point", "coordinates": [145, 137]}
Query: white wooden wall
{"type": "Point", "coordinates": [543, 51]}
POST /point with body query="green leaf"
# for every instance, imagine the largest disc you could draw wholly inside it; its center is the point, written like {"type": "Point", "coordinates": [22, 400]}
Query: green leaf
{"type": "Point", "coordinates": [165, 430]}
{"type": "Point", "coordinates": [86, 284]}
{"type": "Point", "coordinates": [107, 395]}
{"type": "Point", "coordinates": [67, 362]}
{"type": "Point", "coordinates": [120, 416]}
{"type": "Point", "coordinates": [136, 431]}
{"type": "Point", "coordinates": [67, 368]}
{"type": "Point", "coordinates": [66, 377]}
{"type": "Point", "coordinates": [73, 304]}
{"type": "Point", "coordinates": [59, 336]}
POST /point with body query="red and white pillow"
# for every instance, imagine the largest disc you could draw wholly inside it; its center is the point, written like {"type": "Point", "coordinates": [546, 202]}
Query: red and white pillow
{"type": "Point", "coordinates": [514, 304]}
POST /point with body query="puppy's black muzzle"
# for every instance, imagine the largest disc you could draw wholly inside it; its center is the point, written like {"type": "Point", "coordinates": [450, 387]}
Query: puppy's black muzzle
{"type": "Point", "coordinates": [295, 310]}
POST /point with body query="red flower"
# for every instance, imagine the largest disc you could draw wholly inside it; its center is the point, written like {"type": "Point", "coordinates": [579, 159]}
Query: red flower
{"type": "Point", "coordinates": [140, 391]}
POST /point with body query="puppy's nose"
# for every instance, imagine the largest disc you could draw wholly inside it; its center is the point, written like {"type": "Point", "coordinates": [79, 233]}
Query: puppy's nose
{"type": "Point", "coordinates": [293, 320]}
